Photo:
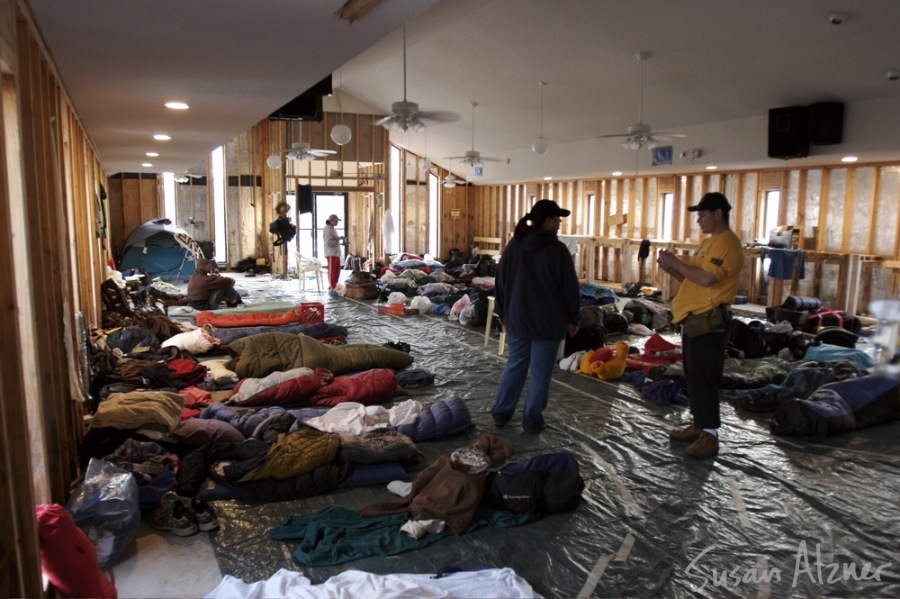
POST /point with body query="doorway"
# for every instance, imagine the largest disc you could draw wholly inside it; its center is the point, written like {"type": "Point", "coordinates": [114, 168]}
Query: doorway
{"type": "Point", "coordinates": [310, 224]}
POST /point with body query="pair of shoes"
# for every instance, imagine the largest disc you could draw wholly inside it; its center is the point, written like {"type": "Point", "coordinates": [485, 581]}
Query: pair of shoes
{"type": "Point", "coordinates": [686, 434]}
{"type": "Point", "coordinates": [173, 516]}
{"type": "Point", "coordinates": [334, 293]}
{"type": "Point", "coordinates": [705, 446]}
{"type": "Point", "coordinates": [203, 514]}
{"type": "Point", "coordinates": [182, 517]}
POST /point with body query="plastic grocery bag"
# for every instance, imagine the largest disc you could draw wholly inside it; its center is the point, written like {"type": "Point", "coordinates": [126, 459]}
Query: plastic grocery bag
{"type": "Point", "coordinates": [105, 506]}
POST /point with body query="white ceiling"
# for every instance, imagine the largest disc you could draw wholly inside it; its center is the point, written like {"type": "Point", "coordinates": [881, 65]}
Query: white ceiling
{"type": "Point", "coordinates": [715, 69]}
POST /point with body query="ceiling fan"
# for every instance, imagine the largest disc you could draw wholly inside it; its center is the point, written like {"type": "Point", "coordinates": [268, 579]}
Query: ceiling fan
{"type": "Point", "coordinates": [405, 115]}
{"type": "Point", "coordinates": [300, 150]}
{"type": "Point", "coordinates": [450, 181]}
{"type": "Point", "coordinates": [641, 135]}
{"type": "Point", "coordinates": [473, 158]}
{"type": "Point", "coordinates": [186, 176]}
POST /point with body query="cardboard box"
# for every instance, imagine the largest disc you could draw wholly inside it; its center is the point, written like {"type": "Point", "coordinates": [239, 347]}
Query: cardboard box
{"type": "Point", "coordinates": [311, 312]}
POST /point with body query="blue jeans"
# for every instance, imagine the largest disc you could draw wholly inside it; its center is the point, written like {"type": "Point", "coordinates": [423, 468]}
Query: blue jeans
{"type": "Point", "coordinates": [227, 294]}
{"type": "Point", "coordinates": [524, 354]}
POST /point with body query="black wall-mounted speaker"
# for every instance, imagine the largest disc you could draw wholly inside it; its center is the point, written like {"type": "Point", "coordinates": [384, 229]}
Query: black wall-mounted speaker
{"type": "Point", "coordinates": [304, 199]}
{"type": "Point", "coordinates": [826, 123]}
{"type": "Point", "coordinates": [788, 132]}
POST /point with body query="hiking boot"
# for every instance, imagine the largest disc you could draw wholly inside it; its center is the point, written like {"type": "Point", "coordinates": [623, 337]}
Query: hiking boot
{"type": "Point", "coordinates": [204, 514]}
{"type": "Point", "coordinates": [171, 515]}
{"type": "Point", "coordinates": [705, 446]}
{"type": "Point", "coordinates": [686, 434]}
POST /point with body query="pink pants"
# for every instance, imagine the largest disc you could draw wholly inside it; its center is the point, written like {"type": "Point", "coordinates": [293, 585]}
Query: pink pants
{"type": "Point", "coordinates": [334, 271]}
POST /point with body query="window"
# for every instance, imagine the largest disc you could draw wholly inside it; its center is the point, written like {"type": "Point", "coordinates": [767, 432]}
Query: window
{"type": "Point", "coordinates": [769, 220]}
{"type": "Point", "coordinates": [433, 214]}
{"type": "Point", "coordinates": [592, 213]}
{"type": "Point", "coordinates": [392, 242]}
{"type": "Point", "coordinates": [169, 209]}
{"type": "Point", "coordinates": [667, 215]}
{"type": "Point", "coordinates": [220, 235]}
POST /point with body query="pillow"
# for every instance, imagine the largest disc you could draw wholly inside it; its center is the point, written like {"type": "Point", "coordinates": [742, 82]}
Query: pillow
{"type": "Point", "coordinates": [220, 373]}
{"type": "Point", "coordinates": [200, 431]}
{"type": "Point", "coordinates": [68, 557]}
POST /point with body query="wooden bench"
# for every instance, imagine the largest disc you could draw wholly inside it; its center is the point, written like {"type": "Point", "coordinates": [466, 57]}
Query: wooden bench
{"type": "Point", "coordinates": [486, 246]}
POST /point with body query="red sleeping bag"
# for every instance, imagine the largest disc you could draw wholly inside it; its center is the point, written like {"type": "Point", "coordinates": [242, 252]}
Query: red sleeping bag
{"type": "Point", "coordinates": [248, 319]}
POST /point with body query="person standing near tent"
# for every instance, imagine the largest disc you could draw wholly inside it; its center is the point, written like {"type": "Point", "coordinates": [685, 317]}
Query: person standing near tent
{"type": "Point", "coordinates": [332, 251]}
{"type": "Point", "coordinates": [207, 288]}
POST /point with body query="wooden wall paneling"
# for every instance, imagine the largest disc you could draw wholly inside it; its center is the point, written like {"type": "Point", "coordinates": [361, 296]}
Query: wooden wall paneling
{"type": "Point", "coordinates": [21, 577]}
{"type": "Point", "coordinates": [46, 248]}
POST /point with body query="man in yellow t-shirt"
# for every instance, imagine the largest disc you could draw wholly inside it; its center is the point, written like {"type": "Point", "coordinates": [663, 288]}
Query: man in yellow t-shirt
{"type": "Point", "coordinates": [710, 279]}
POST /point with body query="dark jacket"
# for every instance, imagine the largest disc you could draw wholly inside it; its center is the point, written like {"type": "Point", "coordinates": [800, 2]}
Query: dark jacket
{"type": "Point", "coordinates": [202, 283]}
{"type": "Point", "coordinates": [537, 288]}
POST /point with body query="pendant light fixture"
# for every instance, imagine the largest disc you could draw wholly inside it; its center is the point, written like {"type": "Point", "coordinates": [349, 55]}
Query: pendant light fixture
{"type": "Point", "coordinates": [540, 145]}
{"type": "Point", "coordinates": [340, 133]}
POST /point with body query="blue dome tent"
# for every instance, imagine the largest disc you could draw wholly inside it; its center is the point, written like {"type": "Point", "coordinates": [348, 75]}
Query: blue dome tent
{"type": "Point", "coordinates": [162, 250]}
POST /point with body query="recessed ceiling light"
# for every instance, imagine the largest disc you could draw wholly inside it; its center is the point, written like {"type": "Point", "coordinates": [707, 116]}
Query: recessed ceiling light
{"type": "Point", "coordinates": [162, 137]}
{"type": "Point", "coordinates": [548, 178]}
{"type": "Point", "coordinates": [177, 105]}
{"type": "Point", "coordinates": [711, 167]}
{"type": "Point", "coordinates": [849, 159]}
{"type": "Point", "coordinates": [617, 173]}
{"type": "Point", "coordinates": [152, 154]}
{"type": "Point", "coordinates": [146, 164]}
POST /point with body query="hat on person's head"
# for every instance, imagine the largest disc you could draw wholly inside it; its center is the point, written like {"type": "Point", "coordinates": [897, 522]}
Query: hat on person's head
{"type": "Point", "coordinates": [546, 209]}
{"type": "Point", "coordinates": [712, 201]}
{"type": "Point", "coordinates": [333, 217]}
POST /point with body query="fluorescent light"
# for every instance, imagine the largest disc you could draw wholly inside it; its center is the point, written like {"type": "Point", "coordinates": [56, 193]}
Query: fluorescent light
{"type": "Point", "coordinates": [152, 154]}
{"type": "Point", "coordinates": [177, 105]}
{"type": "Point", "coordinates": [162, 137]}
{"type": "Point", "coordinates": [849, 159]}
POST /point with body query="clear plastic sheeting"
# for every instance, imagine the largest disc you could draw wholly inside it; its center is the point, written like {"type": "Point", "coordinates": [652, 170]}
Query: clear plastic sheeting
{"type": "Point", "coordinates": [767, 517]}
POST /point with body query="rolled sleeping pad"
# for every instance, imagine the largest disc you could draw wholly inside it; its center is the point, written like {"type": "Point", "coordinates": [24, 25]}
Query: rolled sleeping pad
{"type": "Point", "coordinates": [798, 303]}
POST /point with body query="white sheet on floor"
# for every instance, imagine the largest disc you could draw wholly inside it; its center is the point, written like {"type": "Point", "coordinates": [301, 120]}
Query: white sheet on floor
{"type": "Point", "coordinates": [498, 582]}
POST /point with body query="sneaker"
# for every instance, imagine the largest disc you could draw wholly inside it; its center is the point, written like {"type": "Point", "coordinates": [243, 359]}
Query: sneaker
{"type": "Point", "coordinates": [686, 434]}
{"type": "Point", "coordinates": [203, 512]}
{"type": "Point", "coordinates": [171, 515]}
{"type": "Point", "coordinates": [705, 446]}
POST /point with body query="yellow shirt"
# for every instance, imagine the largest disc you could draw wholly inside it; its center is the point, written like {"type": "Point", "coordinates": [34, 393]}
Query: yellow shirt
{"type": "Point", "coordinates": [723, 256]}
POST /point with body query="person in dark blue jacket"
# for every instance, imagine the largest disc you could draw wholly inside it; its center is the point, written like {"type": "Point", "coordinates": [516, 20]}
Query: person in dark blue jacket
{"type": "Point", "coordinates": [537, 300]}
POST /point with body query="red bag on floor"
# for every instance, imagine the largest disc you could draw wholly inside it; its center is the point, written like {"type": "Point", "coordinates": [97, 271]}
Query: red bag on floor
{"type": "Point", "coordinates": [68, 557]}
{"type": "Point", "coordinates": [826, 317]}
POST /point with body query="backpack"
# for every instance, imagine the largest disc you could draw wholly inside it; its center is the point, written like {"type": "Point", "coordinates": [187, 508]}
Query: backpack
{"type": "Point", "coordinates": [749, 337]}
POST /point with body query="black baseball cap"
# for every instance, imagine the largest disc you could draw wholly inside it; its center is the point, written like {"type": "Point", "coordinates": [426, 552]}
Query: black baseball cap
{"type": "Point", "coordinates": [712, 201]}
{"type": "Point", "coordinates": [546, 209]}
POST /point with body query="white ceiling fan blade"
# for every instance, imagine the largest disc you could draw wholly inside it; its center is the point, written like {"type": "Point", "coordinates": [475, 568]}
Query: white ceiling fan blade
{"type": "Point", "coordinates": [668, 135]}
{"type": "Point", "coordinates": [322, 152]}
{"type": "Point", "coordinates": [616, 135]}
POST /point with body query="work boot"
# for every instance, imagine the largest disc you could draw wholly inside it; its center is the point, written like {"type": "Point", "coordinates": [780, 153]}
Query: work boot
{"type": "Point", "coordinates": [705, 446]}
{"type": "Point", "coordinates": [686, 434]}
